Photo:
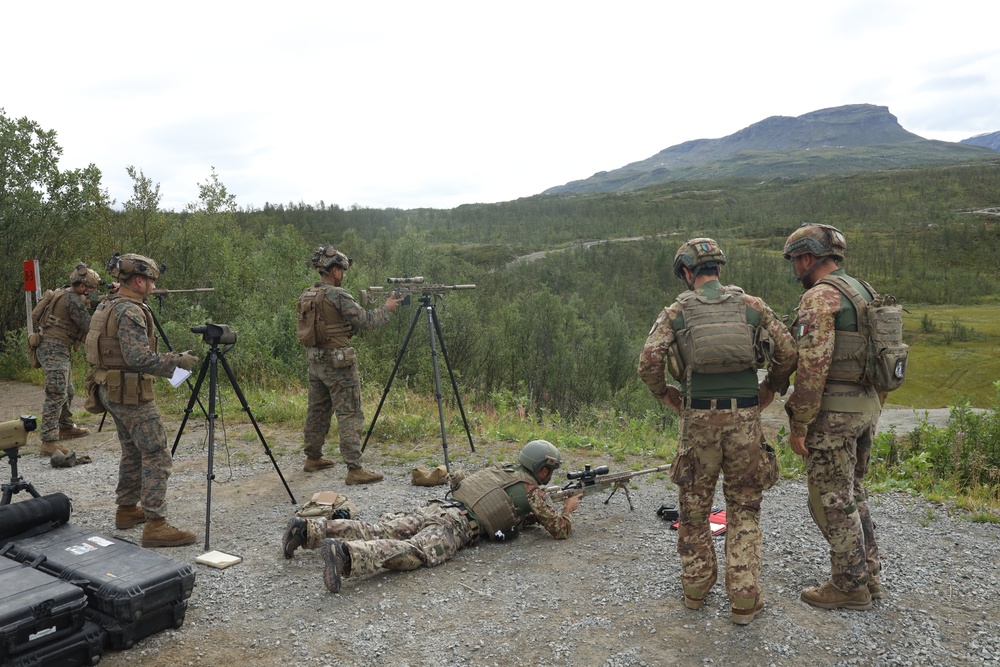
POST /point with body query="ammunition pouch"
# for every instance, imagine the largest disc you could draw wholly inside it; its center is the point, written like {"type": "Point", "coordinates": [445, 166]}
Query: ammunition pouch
{"type": "Point", "coordinates": [34, 340]}
{"type": "Point", "coordinates": [128, 387]}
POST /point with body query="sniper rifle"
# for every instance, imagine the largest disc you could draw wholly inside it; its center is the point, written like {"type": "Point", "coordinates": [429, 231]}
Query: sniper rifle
{"type": "Point", "coordinates": [407, 286]}
{"type": "Point", "coordinates": [598, 480]}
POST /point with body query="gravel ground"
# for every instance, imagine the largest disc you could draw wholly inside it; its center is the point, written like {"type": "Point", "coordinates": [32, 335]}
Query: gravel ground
{"type": "Point", "coordinates": [609, 595]}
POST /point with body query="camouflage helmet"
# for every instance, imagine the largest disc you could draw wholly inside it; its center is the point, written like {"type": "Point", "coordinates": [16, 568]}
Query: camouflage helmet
{"type": "Point", "coordinates": [327, 257]}
{"type": "Point", "coordinates": [539, 454]}
{"type": "Point", "coordinates": [695, 253]}
{"type": "Point", "coordinates": [87, 276]}
{"type": "Point", "coordinates": [818, 240]}
{"type": "Point", "coordinates": [123, 266]}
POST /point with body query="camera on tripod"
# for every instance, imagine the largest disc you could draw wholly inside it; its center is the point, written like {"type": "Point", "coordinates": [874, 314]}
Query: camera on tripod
{"type": "Point", "coordinates": [216, 334]}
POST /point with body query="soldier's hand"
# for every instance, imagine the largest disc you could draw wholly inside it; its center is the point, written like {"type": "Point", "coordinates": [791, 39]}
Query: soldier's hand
{"type": "Point", "coordinates": [764, 395]}
{"type": "Point", "coordinates": [393, 301]}
{"type": "Point", "coordinates": [187, 360]}
{"type": "Point", "coordinates": [570, 504]}
{"type": "Point", "coordinates": [672, 399]}
{"type": "Point", "coordinates": [798, 443]}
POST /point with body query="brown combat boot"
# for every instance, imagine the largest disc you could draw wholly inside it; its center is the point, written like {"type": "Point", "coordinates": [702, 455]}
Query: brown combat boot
{"type": "Point", "coordinates": [338, 563]}
{"type": "Point", "coordinates": [129, 516]}
{"type": "Point", "coordinates": [743, 615]}
{"type": "Point", "coordinates": [73, 431]}
{"type": "Point", "coordinates": [829, 596]}
{"type": "Point", "coordinates": [312, 465]}
{"type": "Point", "coordinates": [295, 536]}
{"type": "Point", "coordinates": [159, 533]}
{"type": "Point", "coordinates": [875, 589]}
{"type": "Point", "coordinates": [49, 447]}
{"type": "Point", "coordinates": [362, 476]}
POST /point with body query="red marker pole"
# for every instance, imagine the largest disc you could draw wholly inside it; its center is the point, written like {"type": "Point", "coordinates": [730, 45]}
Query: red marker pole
{"type": "Point", "coordinates": [31, 284]}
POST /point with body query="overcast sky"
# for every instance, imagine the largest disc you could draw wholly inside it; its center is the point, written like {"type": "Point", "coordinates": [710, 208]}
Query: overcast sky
{"type": "Point", "coordinates": [436, 104]}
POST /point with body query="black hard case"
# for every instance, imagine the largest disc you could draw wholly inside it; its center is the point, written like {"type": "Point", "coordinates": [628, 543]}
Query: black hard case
{"type": "Point", "coordinates": [83, 647]}
{"type": "Point", "coordinates": [35, 609]}
{"type": "Point", "coordinates": [121, 579]}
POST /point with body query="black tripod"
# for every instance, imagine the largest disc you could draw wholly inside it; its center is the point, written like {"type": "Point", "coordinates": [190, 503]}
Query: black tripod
{"type": "Point", "coordinates": [426, 302]}
{"type": "Point", "coordinates": [9, 447]}
{"type": "Point", "coordinates": [214, 335]}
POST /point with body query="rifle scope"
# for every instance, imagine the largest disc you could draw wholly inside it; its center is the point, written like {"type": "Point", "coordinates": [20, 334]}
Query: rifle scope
{"type": "Point", "coordinates": [588, 473]}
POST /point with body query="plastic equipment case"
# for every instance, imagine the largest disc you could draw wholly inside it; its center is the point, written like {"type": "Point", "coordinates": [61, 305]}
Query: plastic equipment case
{"type": "Point", "coordinates": [83, 647]}
{"type": "Point", "coordinates": [36, 609]}
{"type": "Point", "coordinates": [140, 589]}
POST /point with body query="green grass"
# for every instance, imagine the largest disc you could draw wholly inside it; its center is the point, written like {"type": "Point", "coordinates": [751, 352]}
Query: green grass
{"type": "Point", "coordinates": [954, 355]}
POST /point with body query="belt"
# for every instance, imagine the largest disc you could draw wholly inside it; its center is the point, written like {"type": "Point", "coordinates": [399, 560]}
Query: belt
{"type": "Point", "coordinates": [721, 403]}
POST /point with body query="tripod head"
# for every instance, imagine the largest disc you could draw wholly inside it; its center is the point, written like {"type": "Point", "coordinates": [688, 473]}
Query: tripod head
{"type": "Point", "coordinates": [216, 334]}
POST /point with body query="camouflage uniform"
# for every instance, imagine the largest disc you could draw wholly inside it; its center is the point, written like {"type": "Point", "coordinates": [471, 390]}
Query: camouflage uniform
{"type": "Point", "coordinates": [430, 535]}
{"type": "Point", "coordinates": [145, 462]}
{"type": "Point", "coordinates": [714, 439]}
{"type": "Point", "coordinates": [65, 328]}
{"type": "Point", "coordinates": [838, 419]}
{"type": "Point", "coordinates": [335, 388]}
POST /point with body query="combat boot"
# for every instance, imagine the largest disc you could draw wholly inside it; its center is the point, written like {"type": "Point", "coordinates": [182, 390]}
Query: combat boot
{"type": "Point", "coordinates": [338, 563]}
{"type": "Point", "coordinates": [312, 465]}
{"type": "Point", "coordinates": [875, 589]}
{"type": "Point", "coordinates": [49, 447]}
{"type": "Point", "coordinates": [743, 615]}
{"type": "Point", "coordinates": [73, 431]}
{"type": "Point", "coordinates": [362, 476]}
{"type": "Point", "coordinates": [295, 536]}
{"type": "Point", "coordinates": [829, 596]}
{"type": "Point", "coordinates": [159, 533]}
{"type": "Point", "coordinates": [129, 516]}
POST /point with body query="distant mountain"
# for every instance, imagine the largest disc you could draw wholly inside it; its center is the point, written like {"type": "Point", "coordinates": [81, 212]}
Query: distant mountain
{"type": "Point", "coordinates": [988, 140]}
{"type": "Point", "coordinates": [851, 138]}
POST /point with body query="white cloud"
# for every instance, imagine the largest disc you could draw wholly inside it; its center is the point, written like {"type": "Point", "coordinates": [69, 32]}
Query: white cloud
{"type": "Point", "coordinates": [437, 104]}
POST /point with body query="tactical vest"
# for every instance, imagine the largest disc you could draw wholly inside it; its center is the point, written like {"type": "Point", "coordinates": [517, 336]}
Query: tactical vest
{"type": "Point", "coordinates": [55, 321]}
{"type": "Point", "coordinates": [104, 350]}
{"type": "Point", "coordinates": [850, 348]}
{"type": "Point", "coordinates": [716, 337]}
{"type": "Point", "coordinates": [497, 498]}
{"type": "Point", "coordinates": [320, 323]}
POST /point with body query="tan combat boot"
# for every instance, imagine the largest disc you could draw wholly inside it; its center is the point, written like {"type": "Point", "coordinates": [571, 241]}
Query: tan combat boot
{"type": "Point", "coordinates": [73, 431]}
{"type": "Point", "coordinates": [159, 533]}
{"type": "Point", "coordinates": [49, 447]}
{"type": "Point", "coordinates": [362, 476]}
{"type": "Point", "coordinates": [129, 516]}
{"type": "Point", "coordinates": [829, 596]}
{"type": "Point", "coordinates": [742, 615]}
{"type": "Point", "coordinates": [875, 588]}
{"type": "Point", "coordinates": [312, 465]}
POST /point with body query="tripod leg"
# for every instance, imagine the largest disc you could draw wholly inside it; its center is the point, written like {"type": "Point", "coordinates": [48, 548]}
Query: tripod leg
{"type": "Point", "coordinates": [190, 406]}
{"type": "Point", "coordinates": [437, 384]}
{"type": "Point", "coordinates": [454, 384]}
{"type": "Point", "coordinates": [385, 392]}
{"type": "Point", "coordinates": [246, 408]}
{"type": "Point", "coordinates": [211, 360]}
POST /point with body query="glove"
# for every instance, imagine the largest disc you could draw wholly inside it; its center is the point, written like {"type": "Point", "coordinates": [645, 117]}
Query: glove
{"type": "Point", "coordinates": [187, 360]}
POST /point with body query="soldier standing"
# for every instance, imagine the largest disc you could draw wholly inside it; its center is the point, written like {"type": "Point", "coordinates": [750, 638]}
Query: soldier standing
{"type": "Point", "coordinates": [832, 417]}
{"type": "Point", "coordinates": [63, 322]}
{"type": "Point", "coordinates": [491, 504]}
{"type": "Point", "coordinates": [122, 346]}
{"type": "Point", "coordinates": [711, 340]}
{"type": "Point", "coordinates": [328, 316]}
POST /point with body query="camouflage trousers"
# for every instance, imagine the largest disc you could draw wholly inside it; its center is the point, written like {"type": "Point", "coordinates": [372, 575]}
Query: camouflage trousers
{"type": "Point", "coordinates": [55, 356]}
{"type": "Point", "coordinates": [840, 445]}
{"type": "Point", "coordinates": [423, 537]}
{"type": "Point", "coordinates": [334, 391]}
{"type": "Point", "coordinates": [145, 463]}
{"type": "Point", "coordinates": [728, 442]}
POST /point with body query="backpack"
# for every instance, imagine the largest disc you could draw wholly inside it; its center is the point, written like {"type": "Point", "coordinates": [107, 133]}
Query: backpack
{"type": "Point", "coordinates": [41, 310]}
{"type": "Point", "coordinates": [308, 326]}
{"type": "Point", "coordinates": [880, 322]}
